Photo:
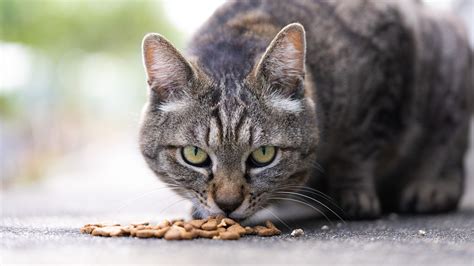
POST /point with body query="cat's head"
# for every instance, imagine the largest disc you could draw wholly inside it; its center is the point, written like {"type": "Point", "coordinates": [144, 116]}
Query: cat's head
{"type": "Point", "coordinates": [229, 145]}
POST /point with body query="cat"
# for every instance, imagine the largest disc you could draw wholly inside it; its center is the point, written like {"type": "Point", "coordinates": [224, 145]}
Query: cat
{"type": "Point", "coordinates": [367, 101]}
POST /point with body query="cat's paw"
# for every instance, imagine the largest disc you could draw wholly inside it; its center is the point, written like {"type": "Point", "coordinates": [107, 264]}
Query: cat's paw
{"type": "Point", "coordinates": [430, 196]}
{"type": "Point", "coordinates": [359, 204]}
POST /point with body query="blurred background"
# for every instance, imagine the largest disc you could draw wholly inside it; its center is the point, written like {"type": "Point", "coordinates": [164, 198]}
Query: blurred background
{"type": "Point", "coordinates": [72, 86]}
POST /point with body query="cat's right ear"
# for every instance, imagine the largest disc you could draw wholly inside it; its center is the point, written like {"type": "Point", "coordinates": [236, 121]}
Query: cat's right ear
{"type": "Point", "coordinates": [282, 66]}
{"type": "Point", "coordinates": [168, 72]}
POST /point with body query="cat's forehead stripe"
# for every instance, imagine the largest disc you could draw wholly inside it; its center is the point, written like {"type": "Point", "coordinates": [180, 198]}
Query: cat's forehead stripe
{"type": "Point", "coordinates": [215, 132]}
{"type": "Point", "coordinates": [230, 123]}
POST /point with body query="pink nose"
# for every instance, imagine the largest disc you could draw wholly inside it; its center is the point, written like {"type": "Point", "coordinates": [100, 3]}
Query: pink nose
{"type": "Point", "coordinates": [229, 198]}
{"type": "Point", "coordinates": [229, 205]}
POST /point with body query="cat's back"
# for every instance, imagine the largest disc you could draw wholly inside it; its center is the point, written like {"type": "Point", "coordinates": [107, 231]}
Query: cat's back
{"type": "Point", "coordinates": [442, 63]}
{"type": "Point", "coordinates": [422, 54]}
{"type": "Point", "coordinates": [349, 44]}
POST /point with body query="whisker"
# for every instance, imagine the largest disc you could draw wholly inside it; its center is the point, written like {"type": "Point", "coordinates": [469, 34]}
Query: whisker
{"type": "Point", "coordinates": [318, 167]}
{"type": "Point", "coordinates": [276, 216]}
{"type": "Point", "coordinates": [304, 203]}
{"type": "Point", "coordinates": [313, 199]}
{"type": "Point", "coordinates": [170, 205]}
{"type": "Point", "coordinates": [127, 202]}
{"type": "Point", "coordinates": [319, 193]}
{"type": "Point", "coordinates": [326, 197]}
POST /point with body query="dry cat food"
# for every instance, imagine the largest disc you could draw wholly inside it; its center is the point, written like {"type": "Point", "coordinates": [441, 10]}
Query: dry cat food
{"type": "Point", "coordinates": [297, 232]}
{"type": "Point", "coordinates": [217, 227]}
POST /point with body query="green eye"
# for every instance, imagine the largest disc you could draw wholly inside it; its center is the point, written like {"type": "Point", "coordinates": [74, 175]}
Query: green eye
{"type": "Point", "coordinates": [263, 156]}
{"type": "Point", "coordinates": [195, 156]}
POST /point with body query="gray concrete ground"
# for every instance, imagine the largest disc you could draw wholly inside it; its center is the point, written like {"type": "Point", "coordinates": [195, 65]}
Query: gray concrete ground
{"type": "Point", "coordinates": [40, 224]}
{"type": "Point", "coordinates": [395, 241]}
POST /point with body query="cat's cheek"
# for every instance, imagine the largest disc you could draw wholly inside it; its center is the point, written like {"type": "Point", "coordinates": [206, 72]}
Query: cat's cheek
{"type": "Point", "coordinates": [248, 208]}
{"type": "Point", "coordinates": [310, 104]}
{"type": "Point", "coordinates": [198, 212]}
{"type": "Point", "coordinates": [143, 113]}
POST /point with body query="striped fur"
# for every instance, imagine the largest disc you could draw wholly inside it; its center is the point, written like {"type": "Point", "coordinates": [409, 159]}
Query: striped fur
{"type": "Point", "coordinates": [377, 92]}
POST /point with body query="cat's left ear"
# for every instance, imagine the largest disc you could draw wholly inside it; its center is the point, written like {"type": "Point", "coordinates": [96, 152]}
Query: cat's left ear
{"type": "Point", "coordinates": [282, 66]}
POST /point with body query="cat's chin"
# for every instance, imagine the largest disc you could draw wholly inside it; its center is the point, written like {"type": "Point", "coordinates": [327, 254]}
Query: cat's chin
{"type": "Point", "coordinates": [239, 217]}
{"type": "Point", "coordinates": [199, 213]}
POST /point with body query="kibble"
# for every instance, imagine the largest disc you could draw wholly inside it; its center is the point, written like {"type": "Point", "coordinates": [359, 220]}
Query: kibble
{"type": "Point", "coordinates": [229, 235]}
{"type": "Point", "coordinates": [266, 232]}
{"type": "Point", "coordinates": [179, 223]}
{"type": "Point", "coordinates": [87, 229]}
{"type": "Point", "coordinates": [218, 227]}
{"type": "Point", "coordinates": [270, 225]}
{"type": "Point", "coordinates": [107, 231]}
{"type": "Point", "coordinates": [206, 234]}
{"type": "Point", "coordinates": [226, 222]}
{"type": "Point", "coordinates": [165, 223]}
{"type": "Point", "coordinates": [211, 224]}
{"type": "Point", "coordinates": [188, 235]}
{"type": "Point", "coordinates": [249, 230]}
{"type": "Point", "coordinates": [173, 233]}
{"type": "Point", "coordinates": [237, 228]}
{"type": "Point", "coordinates": [161, 232]}
{"type": "Point", "coordinates": [197, 223]}
{"type": "Point", "coordinates": [146, 233]}
{"type": "Point", "coordinates": [297, 232]}
{"type": "Point", "coordinates": [188, 227]}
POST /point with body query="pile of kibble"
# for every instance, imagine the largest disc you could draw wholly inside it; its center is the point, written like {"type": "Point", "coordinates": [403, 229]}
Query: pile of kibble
{"type": "Point", "coordinates": [214, 228]}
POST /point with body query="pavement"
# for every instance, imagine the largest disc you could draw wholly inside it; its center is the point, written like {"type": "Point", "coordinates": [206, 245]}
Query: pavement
{"type": "Point", "coordinates": [40, 224]}
{"type": "Point", "coordinates": [389, 241]}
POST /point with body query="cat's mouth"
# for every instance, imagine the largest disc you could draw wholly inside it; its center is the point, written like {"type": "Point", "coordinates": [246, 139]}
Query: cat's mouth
{"type": "Point", "coordinates": [200, 213]}
{"type": "Point", "coordinates": [240, 205]}
{"type": "Point", "coordinates": [210, 207]}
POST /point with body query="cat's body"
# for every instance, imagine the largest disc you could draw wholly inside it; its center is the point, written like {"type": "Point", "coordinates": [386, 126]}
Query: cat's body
{"type": "Point", "coordinates": [384, 107]}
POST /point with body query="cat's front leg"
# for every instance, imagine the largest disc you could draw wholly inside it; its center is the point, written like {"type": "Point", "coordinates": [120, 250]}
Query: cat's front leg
{"type": "Point", "coordinates": [436, 187]}
{"type": "Point", "coordinates": [352, 186]}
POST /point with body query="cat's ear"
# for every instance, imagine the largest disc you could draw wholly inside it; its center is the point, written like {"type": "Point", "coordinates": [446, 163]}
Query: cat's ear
{"type": "Point", "coordinates": [282, 66]}
{"type": "Point", "coordinates": [168, 72]}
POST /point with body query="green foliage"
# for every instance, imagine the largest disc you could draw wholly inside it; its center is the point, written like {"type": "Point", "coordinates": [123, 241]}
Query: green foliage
{"type": "Point", "coordinates": [84, 75]}
{"type": "Point", "coordinates": [8, 106]}
{"type": "Point", "coordinates": [55, 26]}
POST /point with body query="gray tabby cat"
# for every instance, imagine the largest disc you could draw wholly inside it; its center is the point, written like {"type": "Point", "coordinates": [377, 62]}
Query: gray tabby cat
{"type": "Point", "coordinates": [379, 93]}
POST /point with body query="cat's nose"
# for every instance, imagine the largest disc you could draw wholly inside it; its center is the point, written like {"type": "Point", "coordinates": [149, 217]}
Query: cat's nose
{"type": "Point", "coordinates": [229, 198]}
{"type": "Point", "coordinates": [228, 205]}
